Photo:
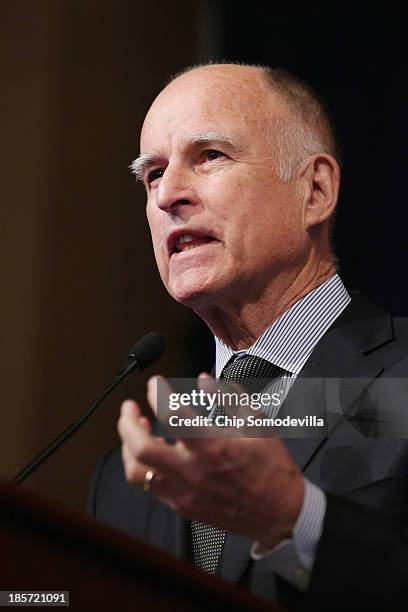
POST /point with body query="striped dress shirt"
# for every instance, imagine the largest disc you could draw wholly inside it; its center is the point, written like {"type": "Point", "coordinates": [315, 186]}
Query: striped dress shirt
{"type": "Point", "coordinates": [288, 343]}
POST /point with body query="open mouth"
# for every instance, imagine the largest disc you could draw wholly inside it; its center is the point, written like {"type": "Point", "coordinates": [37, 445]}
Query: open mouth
{"type": "Point", "coordinates": [188, 242]}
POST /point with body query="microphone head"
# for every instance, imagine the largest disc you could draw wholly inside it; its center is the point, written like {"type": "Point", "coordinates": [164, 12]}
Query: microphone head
{"type": "Point", "coordinates": [147, 349]}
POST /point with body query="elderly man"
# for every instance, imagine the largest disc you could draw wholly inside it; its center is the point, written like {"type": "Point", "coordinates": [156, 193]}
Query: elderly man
{"type": "Point", "coordinates": [241, 169]}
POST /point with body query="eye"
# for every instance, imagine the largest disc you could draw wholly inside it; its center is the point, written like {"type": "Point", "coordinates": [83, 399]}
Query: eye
{"type": "Point", "coordinates": [154, 174]}
{"type": "Point", "coordinates": [212, 154]}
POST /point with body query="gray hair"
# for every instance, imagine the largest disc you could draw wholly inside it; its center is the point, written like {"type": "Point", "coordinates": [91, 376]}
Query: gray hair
{"type": "Point", "coordinates": [306, 130]}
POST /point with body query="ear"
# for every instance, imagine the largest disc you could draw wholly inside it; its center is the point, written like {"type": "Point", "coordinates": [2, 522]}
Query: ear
{"type": "Point", "coordinates": [319, 181]}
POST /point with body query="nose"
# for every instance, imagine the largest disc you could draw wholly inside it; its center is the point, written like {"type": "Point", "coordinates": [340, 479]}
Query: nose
{"type": "Point", "coordinates": [175, 189]}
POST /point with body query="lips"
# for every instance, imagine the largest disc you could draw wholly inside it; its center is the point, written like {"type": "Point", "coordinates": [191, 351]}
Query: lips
{"type": "Point", "coordinates": [183, 241]}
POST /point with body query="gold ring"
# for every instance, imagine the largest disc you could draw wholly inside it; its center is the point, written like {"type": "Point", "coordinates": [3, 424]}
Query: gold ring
{"type": "Point", "coordinates": [148, 479]}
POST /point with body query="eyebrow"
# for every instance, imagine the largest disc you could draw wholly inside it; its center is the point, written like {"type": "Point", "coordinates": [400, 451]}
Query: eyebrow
{"type": "Point", "coordinates": [139, 165]}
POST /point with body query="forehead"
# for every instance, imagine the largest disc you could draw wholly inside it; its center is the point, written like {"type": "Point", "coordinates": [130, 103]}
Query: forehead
{"type": "Point", "coordinates": [207, 101]}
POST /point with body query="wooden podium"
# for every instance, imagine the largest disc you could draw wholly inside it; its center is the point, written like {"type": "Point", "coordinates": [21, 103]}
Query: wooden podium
{"type": "Point", "coordinates": [45, 547]}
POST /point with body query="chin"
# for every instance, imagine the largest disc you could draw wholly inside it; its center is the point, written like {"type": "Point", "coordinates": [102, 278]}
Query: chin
{"type": "Point", "coordinates": [192, 294]}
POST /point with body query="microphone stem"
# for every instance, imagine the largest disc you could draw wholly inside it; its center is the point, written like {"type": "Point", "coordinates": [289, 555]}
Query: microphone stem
{"type": "Point", "coordinates": [71, 429]}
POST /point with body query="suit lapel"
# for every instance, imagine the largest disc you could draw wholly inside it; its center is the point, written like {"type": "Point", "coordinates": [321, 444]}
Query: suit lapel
{"type": "Point", "coordinates": [346, 357]}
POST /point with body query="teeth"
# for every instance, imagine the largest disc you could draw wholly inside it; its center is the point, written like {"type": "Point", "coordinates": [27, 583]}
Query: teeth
{"type": "Point", "coordinates": [191, 246]}
{"type": "Point", "coordinates": [185, 242]}
{"type": "Point", "coordinates": [185, 238]}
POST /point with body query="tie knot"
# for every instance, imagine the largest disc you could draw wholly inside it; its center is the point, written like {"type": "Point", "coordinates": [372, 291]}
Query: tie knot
{"type": "Point", "coordinates": [250, 372]}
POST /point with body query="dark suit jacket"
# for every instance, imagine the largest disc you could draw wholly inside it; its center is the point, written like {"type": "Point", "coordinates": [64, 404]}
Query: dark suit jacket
{"type": "Point", "coordinates": [362, 557]}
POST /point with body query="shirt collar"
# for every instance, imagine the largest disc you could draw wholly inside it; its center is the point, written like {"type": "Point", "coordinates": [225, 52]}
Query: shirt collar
{"type": "Point", "coordinates": [290, 339]}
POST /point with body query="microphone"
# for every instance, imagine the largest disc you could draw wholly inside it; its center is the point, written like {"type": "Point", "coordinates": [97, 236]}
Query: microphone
{"type": "Point", "coordinates": [141, 356]}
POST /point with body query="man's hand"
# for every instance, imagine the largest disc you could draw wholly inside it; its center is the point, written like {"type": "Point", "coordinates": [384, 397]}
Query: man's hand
{"type": "Point", "coordinates": [249, 486]}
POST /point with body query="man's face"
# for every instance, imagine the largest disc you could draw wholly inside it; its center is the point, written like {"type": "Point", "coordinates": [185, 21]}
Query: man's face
{"type": "Point", "coordinates": [223, 224]}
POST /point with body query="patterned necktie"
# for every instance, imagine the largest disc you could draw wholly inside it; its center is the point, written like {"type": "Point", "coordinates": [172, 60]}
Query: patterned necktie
{"type": "Point", "coordinates": [206, 541]}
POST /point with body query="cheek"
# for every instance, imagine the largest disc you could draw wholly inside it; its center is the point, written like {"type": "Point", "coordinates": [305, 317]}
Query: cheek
{"type": "Point", "coordinates": [157, 232]}
{"type": "Point", "coordinates": [267, 229]}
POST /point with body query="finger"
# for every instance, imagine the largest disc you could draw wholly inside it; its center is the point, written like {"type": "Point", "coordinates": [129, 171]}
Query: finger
{"type": "Point", "coordinates": [169, 489]}
{"type": "Point", "coordinates": [154, 385]}
{"type": "Point", "coordinates": [135, 471]}
{"type": "Point", "coordinates": [171, 460]}
{"type": "Point", "coordinates": [144, 447]}
{"type": "Point", "coordinates": [152, 392]}
{"type": "Point", "coordinates": [132, 427]}
{"type": "Point", "coordinates": [129, 406]}
{"type": "Point", "coordinates": [129, 409]}
{"type": "Point", "coordinates": [221, 389]}
{"type": "Point", "coordinates": [142, 451]}
{"type": "Point", "coordinates": [226, 395]}
{"type": "Point", "coordinates": [144, 422]}
{"type": "Point", "coordinates": [187, 434]}
{"type": "Point", "coordinates": [159, 393]}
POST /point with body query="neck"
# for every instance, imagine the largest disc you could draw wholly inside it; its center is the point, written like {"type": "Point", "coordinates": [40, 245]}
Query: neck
{"type": "Point", "coordinates": [239, 322]}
